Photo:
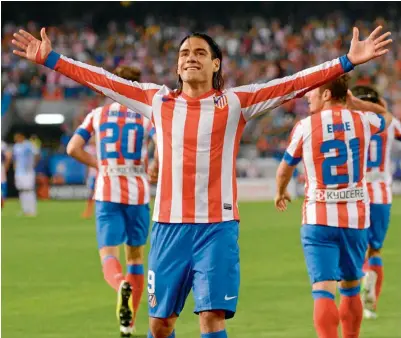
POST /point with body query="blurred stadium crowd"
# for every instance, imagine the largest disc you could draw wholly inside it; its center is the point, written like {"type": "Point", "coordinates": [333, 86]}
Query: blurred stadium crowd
{"type": "Point", "coordinates": [256, 49]}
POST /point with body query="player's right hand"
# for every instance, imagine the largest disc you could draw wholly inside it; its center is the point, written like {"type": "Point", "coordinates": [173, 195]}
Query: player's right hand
{"type": "Point", "coordinates": [280, 201]}
{"type": "Point", "coordinates": [31, 48]}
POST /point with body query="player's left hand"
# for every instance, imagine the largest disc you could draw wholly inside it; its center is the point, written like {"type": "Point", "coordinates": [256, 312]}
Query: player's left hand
{"type": "Point", "coordinates": [153, 173]}
{"type": "Point", "coordinates": [280, 201]}
{"type": "Point", "coordinates": [370, 48]}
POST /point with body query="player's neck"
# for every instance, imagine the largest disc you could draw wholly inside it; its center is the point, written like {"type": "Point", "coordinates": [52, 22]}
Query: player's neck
{"type": "Point", "coordinates": [195, 90]}
{"type": "Point", "coordinates": [332, 104]}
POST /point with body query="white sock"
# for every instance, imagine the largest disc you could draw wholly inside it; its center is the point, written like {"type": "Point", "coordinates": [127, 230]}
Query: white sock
{"type": "Point", "coordinates": [28, 202]}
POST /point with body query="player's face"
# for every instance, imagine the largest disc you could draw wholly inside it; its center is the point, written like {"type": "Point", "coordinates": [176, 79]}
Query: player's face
{"type": "Point", "coordinates": [18, 138]}
{"type": "Point", "coordinates": [195, 63]}
{"type": "Point", "coordinates": [315, 100]}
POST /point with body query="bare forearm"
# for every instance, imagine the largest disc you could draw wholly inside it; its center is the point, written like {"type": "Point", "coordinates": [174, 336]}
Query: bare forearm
{"type": "Point", "coordinates": [283, 177]}
{"type": "Point", "coordinates": [82, 156]}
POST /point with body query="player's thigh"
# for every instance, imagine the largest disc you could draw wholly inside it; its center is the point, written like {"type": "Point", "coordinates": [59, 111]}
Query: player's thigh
{"type": "Point", "coordinates": [25, 182]}
{"type": "Point", "coordinates": [110, 224]}
{"type": "Point", "coordinates": [379, 223]}
{"type": "Point", "coordinates": [137, 221]}
{"type": "Point", "coordinates": [322, 252]}
{"type": "Point", "coordinates": [169, 269]}
{"type": "Point", "coordinates": [216, 267]}
{"type": "Point", "coordinates": [353, 246]}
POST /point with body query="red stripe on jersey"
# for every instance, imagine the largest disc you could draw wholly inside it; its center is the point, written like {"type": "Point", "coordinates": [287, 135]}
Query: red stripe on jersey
{"type": "Point", "coordinates": [88, 77]}
{"type": "Point", "coordinates": [106, 179]}
{"type": "Point", "coordinates": [121, 120]}
{"type": "Point", "coordinates": [281, 89]}
{"type": "Point", "coordinates": [216, 151]}
{"type": "Point", "coordinates": [360, 134]}
{"type": "Point", "coordinates": [167, 158]}
{"type": "Point", "coordinates": [189, 161]}
{"type": "Point", "coordinates": [370, 191]}
{"type": "Point", "coordinates": [361, 206]}
{"type": "Point", "coordinates": [238, 134]}
{"type": "Point", "coordinates": [383, 189]}
{"type": "Point", "coordinates": [317, 140]}
{"type": "Point", "coordinates": [141, 189]}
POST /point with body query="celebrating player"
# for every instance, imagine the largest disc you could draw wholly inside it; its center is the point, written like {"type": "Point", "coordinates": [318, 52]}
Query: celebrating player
{"type": "Point", "coordinates": [379, 178]}
{"type": "Point", "coordinates": [6, 157]}
{"type": "Point", "coordinates": [121, 194]}
{"type": "Point", "coordinates": [333, 145]}
{"type": "Point", "coordinates": [198, 127]}
{"type": "Point", "coordinates": [25, 157]}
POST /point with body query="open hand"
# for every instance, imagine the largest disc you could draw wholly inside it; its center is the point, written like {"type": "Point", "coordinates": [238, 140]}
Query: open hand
{"type": "Point", "coordinates": [280, 201]}
{"type": "Point", "coordinates": [370, 48]}
{"type": "Point", "coordinates": [31, 48]}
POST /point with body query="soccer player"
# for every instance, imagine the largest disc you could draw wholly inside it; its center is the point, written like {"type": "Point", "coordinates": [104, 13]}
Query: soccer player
{"type": "Point", "coordinates": [333, 144]}
{"type": "Point", "coordinates": [379, 178]}
{"type": "Point", "coordinates": [90, 179]}
{"type": "Point", "coordinates": [198, 128]}
{"type": "Point", "coordinates": [121, 194]}
{"type": "Point", "coordinates": [6, 157]}
{"type": "Point", "coordinates": [25, 158]}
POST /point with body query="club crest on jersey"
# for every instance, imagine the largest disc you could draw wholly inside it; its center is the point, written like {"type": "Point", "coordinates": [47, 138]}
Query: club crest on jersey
{"type": "Point", "coordinates": [152, 300]}
{"type": "Point", "coordinates": [220, 101]}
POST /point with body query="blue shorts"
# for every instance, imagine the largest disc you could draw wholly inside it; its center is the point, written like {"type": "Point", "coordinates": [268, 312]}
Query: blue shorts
{"type": "Point", "coordinates": [379, 222]}
{"type": "Point", "coordinates": [90, 182]}
{"type": "Point", "coordinates": [333, 253]}
{"type": "Point", "coordinates": [204, 257]}
{"type": "Point", "coordinates": [121, 224]}
{"type": "Point", "coordinates": [3, 190]}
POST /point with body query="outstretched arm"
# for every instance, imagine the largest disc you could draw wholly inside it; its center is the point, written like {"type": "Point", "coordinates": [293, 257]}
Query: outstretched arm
{"type": "Point", "coordinates": [259, 98]}
{"type": "Point", "coordinates": [136, 96]}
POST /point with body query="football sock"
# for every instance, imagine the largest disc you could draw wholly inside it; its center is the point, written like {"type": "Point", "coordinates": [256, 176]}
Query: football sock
{"type": "Point", "coordinates": [219, 334]}
{"type": "Point", "coordinates": [112, 272]}
{"type": "Point", "coordinates": [135, 276]}
{"type": "Point", "coordinates": [376, 265]}
{"type": "Point", "coordinates": [325, 314]}
{"type": "Point", "coordinates": [28, 201]}
{"type": "Point", "coordinates": [351, 312]}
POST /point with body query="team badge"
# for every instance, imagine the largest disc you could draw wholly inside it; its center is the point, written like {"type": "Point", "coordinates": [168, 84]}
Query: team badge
{"type": "Point", "coordinates": [152, 300]}
{"type": "Point", "coordinates": [220, 101]}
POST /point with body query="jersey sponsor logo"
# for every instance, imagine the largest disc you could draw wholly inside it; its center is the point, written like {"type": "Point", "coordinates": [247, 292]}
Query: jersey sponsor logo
{"type": "Point", "coordinates": [227, 206]}
{"type": "Point", "coordinates": [334, 196]}
{"type": "Point", "coordinates": [123, 170]}
{"type": "Point", "coordinates": [220, 101]}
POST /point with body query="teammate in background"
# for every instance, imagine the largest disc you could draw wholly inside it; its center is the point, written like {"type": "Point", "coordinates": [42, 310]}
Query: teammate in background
{"type": "Point", "coordinates": [90, 179]}
{"type": "Point", "coordinates": [379, 179]}
{"type": "Point", "coordinates": [25, 158]}
{"type": "Point", "coordinates": [121, 194]}
{"type": "Point", "coordinates": [194, 241]}
{"type": "Point", "coordinates": [6, 157]}
{"type": "Point", "coordinates": [333, 145]}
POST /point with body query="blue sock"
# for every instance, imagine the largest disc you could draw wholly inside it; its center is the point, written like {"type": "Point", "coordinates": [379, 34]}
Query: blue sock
{"type": "Point", "coordinates": [220, 334]}
{"type": "Point", "coordinates": [170, 336]}
{"type": "Point", "coordinates": [316, 294]}
{"type": "Point", "coordinates": [351, 291]}
{"type": "Point", "coordinates": [135, 269]}
{"type": "Point", "coordinates": [375, 260]}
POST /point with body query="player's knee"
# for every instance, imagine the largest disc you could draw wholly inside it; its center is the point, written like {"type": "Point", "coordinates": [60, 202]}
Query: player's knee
{"type": "Point", "coordinates": [134, 254]}
{"type": "Point", "coordinates": [345, 284]}
{"type": "Point", "coordinates": [212, 321]}
{"type": "Point", "coordinates": [161, 327]}
{"type": "Point", "coordinates": [373, 252]}
{"type": "Point", "coordinates": [329, 286]}
{"type": "Point", "coordinates": [108, 251]}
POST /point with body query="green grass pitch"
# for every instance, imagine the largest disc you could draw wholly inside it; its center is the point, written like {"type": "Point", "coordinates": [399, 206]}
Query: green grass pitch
{"type": "Point", "coordinates": [52, 285]}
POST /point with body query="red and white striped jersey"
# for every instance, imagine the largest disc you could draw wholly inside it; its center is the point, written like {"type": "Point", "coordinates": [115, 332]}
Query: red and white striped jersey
{"type": "Point", "coordinates": [122, 152]}
{"type": "Point", "coordinates": [379, 176]}
{"type": "Point", "coordinates": [333, 146]}
{"type": "Point", "coordinates": [198, 138]}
